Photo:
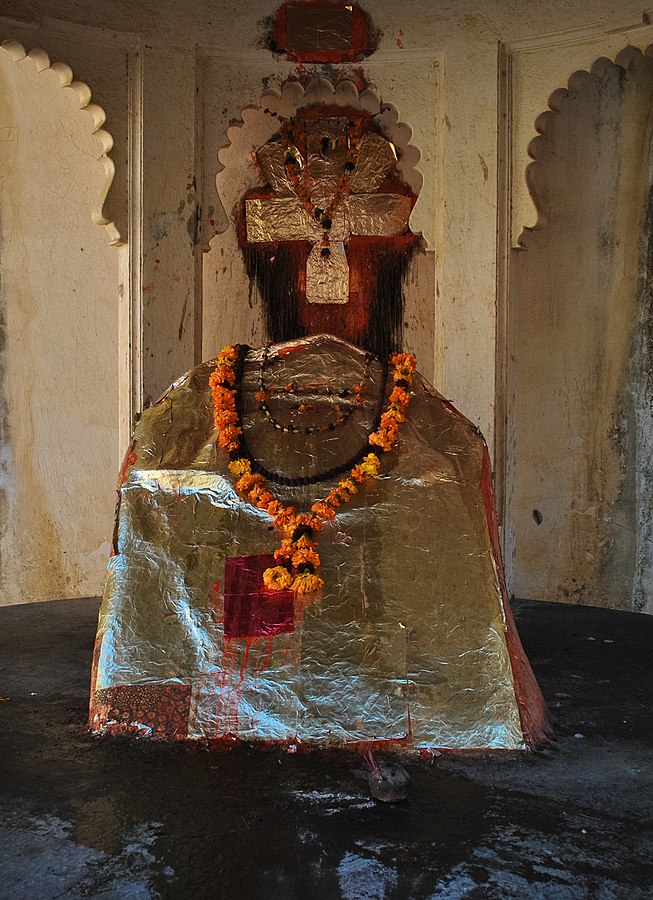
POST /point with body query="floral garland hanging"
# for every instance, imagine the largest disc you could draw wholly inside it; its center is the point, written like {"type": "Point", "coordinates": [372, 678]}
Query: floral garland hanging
{"type": "Point", "coordinates": [297, 557]}
{"type": "Point", "coordinates": [297, 174]}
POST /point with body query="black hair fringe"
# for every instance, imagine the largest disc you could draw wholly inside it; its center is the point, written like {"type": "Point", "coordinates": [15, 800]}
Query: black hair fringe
{"type": "Point", "coordinates": [275, 270]}
{"type": "Point", "coordinates": [385, 325]}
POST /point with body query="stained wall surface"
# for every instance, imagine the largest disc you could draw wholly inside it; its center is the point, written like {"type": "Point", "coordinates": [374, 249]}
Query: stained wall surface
{"type": "Point", "coordinates": [176, 84]}
{"type": "Point", "coordinates": [59, 442]}
{"type": "Point", "coordinates": [582, 410]}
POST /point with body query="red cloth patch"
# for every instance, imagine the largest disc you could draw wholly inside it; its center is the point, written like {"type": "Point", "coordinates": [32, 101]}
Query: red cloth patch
{"type": "Point", "coordinates": [250, 610]}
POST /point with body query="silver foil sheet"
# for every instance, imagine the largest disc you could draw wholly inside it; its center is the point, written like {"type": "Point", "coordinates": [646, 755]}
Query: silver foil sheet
{"type": "Point", "coordinates": [406, 642]}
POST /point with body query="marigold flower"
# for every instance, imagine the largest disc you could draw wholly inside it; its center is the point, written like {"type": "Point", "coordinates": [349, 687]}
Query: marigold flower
{"type": "Point", "coordinates": [225, 417]}
{"type": "Point", "coordinates": [258, 491]}
{"type": "Point", "coordinates": [307, 583]}
{"type": "Point", "coordinates": [394, 414]}
{"type": "Point", "coordinates": [347, 487]}
{"type": "Point", "coordinates": [404, 365]}
{"type": "Point", "coordinates": [246, 482]}
{"type": "Point", "coordinates": [275, 507]}
{"type": "Point", "coordinates": [223, 398]}
{"type": "Point", "coordinates": [277, 579]}
{"type": "Point", "coordinates": [286, 549]}
{"type": "Point", "coordinates": [309, 519]}
{"type": "Point", "coordinates": [305, 555]}
{"type": "Point", "coordinates": [240, 467]}
{"type": "Point", "coordinates": [228, 437]}
{"type": "Point", "coordinates": [220, 375]}
{"type": "Point", "coordinates": [400, 396]}
{"type": "Point", "coordinates": [370, 465]}
{"type": "Point", "coordinates": [285, 518]}
{"type": "Point", "coordinates": [217, 378]}
{"type": "Point", "coordinates": [228, 355]}
{"type": "Point", "coordinates": [264, 500]}
{"type": "Point", "coordinates": [323, 511]}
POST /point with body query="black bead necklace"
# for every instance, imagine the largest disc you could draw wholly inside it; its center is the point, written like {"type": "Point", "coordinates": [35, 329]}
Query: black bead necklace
{"type": "Point", "coordinates": [356, 393]}
{"type": "Point", "coordinates": [328, 474]}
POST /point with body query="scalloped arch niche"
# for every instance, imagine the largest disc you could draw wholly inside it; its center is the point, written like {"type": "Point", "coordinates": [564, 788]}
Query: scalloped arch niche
{"type": "Point", "coordinates": [59, 297]}
{"type": "Point", "coordinates": [581, 417]}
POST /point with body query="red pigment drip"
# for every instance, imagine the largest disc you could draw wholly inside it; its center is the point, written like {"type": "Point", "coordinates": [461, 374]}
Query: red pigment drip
{"type": "Point", "coordinates": [266, 661]}
{"type": "Point", "coordinates": [530, 702]}
{"type": "Point", "coordinates": [288, 350]}
{"type": "Point", "coordinates": [229, 658]}
{"type": "Point", "coordinates": [248, 646]}
{"type": "Point", "coordinates": [302, 602]}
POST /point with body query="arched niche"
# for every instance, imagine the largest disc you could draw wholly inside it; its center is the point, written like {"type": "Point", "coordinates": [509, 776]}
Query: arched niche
{"type": "Point", "coordinates": [59, 377]}
{"type": "Point", "coordinates": [580, 372]}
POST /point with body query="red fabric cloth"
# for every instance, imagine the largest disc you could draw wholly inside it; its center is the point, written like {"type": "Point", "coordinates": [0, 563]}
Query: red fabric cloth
{"type": "Point", "coordinates": [250, 609]}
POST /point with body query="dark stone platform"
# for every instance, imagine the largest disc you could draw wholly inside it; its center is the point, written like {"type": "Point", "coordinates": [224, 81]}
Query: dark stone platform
{"type": "Point", "coordinates": [88, 817]}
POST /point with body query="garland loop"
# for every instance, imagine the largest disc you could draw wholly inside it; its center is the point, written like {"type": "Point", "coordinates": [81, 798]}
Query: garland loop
{"type": "Point", "coordinates": [297, 558]}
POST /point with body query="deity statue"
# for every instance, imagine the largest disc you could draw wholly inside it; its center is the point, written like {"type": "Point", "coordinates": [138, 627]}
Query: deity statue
{"type": "Point", "coordinates": [306, 552]}
{"type": "Point", "coordinates": [326, 236]}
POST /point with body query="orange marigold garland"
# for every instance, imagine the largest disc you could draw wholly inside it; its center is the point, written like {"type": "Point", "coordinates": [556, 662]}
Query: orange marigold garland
{"type": "Point", "coordinates": [297, 558]}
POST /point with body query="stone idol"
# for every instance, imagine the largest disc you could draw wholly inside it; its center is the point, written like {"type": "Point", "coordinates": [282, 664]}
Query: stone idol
{"type": "Point", "coordinates": [306, 552]}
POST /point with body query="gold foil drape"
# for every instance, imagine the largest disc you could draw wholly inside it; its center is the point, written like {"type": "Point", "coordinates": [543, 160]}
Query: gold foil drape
{"type": "Point", "coordinates": [361, 212]}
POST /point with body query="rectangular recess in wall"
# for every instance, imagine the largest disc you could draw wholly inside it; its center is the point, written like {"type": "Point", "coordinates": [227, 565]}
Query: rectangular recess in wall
{"type": "Point", "coordinates": [319, 27]}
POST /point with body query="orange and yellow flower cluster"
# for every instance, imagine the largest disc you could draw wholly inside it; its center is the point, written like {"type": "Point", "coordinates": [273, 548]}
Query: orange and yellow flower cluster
{"type": "Point", "coordinates": [403, 370]}
{"type": "Point", "coordinates": [297, 557]}
{"type": "Point", "coordinates": [222, 383]}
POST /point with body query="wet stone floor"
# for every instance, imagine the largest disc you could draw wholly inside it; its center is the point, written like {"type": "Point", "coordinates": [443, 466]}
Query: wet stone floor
{"type": "Point", "coordinates": [119, 818]}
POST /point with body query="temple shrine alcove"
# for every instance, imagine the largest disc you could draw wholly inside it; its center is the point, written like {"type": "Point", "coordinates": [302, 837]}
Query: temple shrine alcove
{"type": "Point", "coordinates": [580, 426]}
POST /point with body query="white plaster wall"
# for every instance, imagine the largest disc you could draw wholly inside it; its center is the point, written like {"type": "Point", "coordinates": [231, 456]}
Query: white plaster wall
{"type": "Point", "coordinates": [59, 297]}
{"type": "Point", "coordinates": [464, 162]}
{"type": "Point", "coordinates": [580, 425]}
{"type": "Point", "coordinates": [442, 70]}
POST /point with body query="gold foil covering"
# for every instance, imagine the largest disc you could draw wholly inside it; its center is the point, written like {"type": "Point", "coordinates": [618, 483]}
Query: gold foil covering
{"type": "Point", "coordinates": [277, 219]}
{"type": "Point", "coordinates": [407, 639]}
{"type": "Point", "coordinates": [325, 27]}
{"type": "Point", "coordinates": [363, 212]}
{"type": "Point", "coordinates": [382, 215]}
{"type": "Point", "coordinates": [271, 158]}
{"type": "Point", "coordinates": [327, 147]}
{"type": "Point", "coordinates": [376, 160]}
{"type": "Point", "coordinates": [327, 277]}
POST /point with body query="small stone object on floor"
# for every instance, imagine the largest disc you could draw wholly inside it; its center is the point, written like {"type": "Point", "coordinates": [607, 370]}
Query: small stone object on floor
{"type": "Point", "coordinates": [388, 781]}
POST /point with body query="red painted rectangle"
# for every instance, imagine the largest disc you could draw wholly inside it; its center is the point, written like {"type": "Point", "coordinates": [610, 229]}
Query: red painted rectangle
{"type": "Point", "coordinates": [250, 610]}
